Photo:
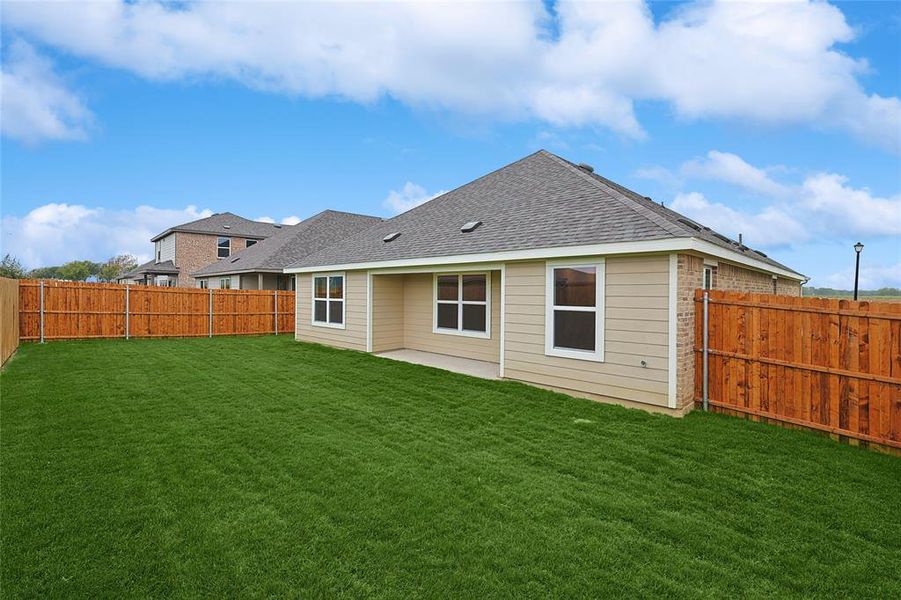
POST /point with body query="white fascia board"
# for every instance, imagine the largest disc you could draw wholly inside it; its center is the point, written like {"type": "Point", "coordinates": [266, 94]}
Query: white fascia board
{"type": "Point", "coordinates": [666, 245]}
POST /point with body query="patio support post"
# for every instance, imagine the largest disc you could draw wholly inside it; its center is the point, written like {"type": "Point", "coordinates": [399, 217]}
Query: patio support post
{"type": "Point", "coordinates": [42, 311]}
{"type": "Point", "coordinates": [706, 348]}
{"type": "Point", "coordinates": [211, 312]}
{"type": "Point", "coordinates": [126, 312]}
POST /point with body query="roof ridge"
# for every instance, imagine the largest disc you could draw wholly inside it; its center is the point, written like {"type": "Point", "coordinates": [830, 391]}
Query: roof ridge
{"type": "Point", "coordinates": [645, 212]}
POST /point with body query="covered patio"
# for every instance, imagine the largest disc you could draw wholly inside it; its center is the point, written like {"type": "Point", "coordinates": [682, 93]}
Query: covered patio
{"type": "Point", "coordinates": [455, 364]}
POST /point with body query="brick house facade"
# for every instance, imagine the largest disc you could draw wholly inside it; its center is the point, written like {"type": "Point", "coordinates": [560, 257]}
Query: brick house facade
{"type": "Point", "coordinates": [193, 251]}
{"type": "Point", "coordinates": [725, 276]}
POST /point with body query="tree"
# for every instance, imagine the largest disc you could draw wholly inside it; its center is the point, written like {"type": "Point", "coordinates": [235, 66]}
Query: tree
{"type": "Point", "coordinates": [78, 270]}
{"type": "Point", "coordinates": [11, 267]}
{"type": "Point", "coordinates": [44, 273]}
{"type": "Point", "coordinates": [116, 266]}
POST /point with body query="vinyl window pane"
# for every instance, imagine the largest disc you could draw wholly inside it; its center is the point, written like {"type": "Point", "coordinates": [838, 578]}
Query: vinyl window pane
{"type": "Point", "coordinates": [474, 288]}
{"type": "Point", "coordinates": [575, 286]}
{"type": "Point", "coordinates": [447, 316]}
{"type": "Point", "coordinates": [336, 287]}
{"type": "Point", "coordinates": [474, 317]}
{"type": "Point", "coordinates": [447, 287]}
{"type": "Point", "coordinates": [336, 312]}
{"type": "Point", "coordinates": [574, 329]}
{"type": "Point", "coordinates": [320, 310]}
{"type": "Point", "coordinates": [320, 286]}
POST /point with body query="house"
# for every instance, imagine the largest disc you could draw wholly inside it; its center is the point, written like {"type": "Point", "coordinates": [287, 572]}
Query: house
{"type": "Point", "coordinates": [261, 267]}
{"type": "Point", "coordinates": [184, 249]}
{"type": "Point", "coordinates": [541, 272]}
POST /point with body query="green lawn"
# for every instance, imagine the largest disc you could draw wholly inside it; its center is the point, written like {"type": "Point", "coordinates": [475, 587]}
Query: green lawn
{"type": "Point", "coordinates": [265, 467]}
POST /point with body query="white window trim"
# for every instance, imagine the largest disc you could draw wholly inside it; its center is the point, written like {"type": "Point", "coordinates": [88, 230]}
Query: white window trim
{"type": "Point", "coordinates": [707, 269]}
{"type": "Point", "coordinates": [599, 308]}
{"type": "Point", "coordinates": [485, 335]}
{"type": "Point", "coordinates": [328, 304]}
{"type": "Point", "coordinates": [218, 247]}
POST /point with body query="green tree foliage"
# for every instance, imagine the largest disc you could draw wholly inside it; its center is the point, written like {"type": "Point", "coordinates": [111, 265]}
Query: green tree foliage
{"type": "Point", "coordinates": [11, 267]}
{"type": "Point", "coordinates": [116, 266]}
{"type": "Point", "coordinates": [79, 270]}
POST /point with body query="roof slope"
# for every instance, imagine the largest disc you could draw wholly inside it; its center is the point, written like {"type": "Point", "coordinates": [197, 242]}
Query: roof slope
{"type": "Point", "coordinates": [226, 224]}
{"type": "Point", "coordinates": [167, 267]}
{"type": "Point", "coordinates": [540, 201]}
{"type": "Point", "coordinates": [292, 244]}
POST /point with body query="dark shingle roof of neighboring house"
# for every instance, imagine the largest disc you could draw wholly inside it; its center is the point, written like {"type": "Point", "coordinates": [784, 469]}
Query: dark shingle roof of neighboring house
{"type": "Point", "coordinates": [292, 244]}
{"type": "Point", "coordinates": [225, 224]}
{"type": "Point", "coordinates": [540, 201]}
{"type": "Point", "coordinates": [167, 267]}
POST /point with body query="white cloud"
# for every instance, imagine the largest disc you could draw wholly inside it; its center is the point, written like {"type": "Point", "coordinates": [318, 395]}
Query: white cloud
{"type": "Point", "coordinates": [36, 105]}
{"type": "Point", "coordinates": [871, 278]}
{"type": "Point", "coordinates": [265, 219]}
{"type": "Point", "coordinates": [773, 63]}
{"type": "Point", "coordinates": [770, 227]}
{"type": "Point", "coordinates": [822, 204]}
{"type": "Point", "coordinates": [55, 233]}
{"type": "Point", "coordinates": [731, 168]}
{"type": "Point", "coordinates": [409, 196]}
{"type": "Point", "coordinates": [292, 220]}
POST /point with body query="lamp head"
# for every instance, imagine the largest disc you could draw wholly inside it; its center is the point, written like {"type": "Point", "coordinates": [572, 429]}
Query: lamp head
{"type": "Point", "coordinates": [858, 247]}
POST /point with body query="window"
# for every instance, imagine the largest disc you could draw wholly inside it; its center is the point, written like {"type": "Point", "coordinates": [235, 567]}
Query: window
{"type": "Point", "coordinates": [225, 283]}
{"type": "Point", "coordinates": [223, 247]}
{"type": "Point", "coordinates": [249, 243]}
{"type": "Point", "coordinates": [463, 304]}
{"type": "Point", "coordinates": [202, 284]}
{"type": "Point", "coordinates": [707, 283]}
{"type": "Point", "coordinates": [328, 300]}
{"type": "Point", "coordinates": [574, 319]}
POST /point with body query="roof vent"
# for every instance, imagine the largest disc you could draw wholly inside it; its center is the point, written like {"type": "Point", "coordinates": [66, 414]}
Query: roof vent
{"type": "Point", "coordinates": [276, 225]}
{"type": "Point", "coordinates": [234, 260]}
{"type": "Point", "coordinates": [690, 223]}
{"type": "Point", "coordinates": [586, 167]}
{"type": "Point", "coordinates": [391, 237]}
{"type": "Point", "coordinates": [226, 227]}
{"type": "Point", "coordinates": [760, 253]}
{"type": "Point", "coordinates": [471, 226]}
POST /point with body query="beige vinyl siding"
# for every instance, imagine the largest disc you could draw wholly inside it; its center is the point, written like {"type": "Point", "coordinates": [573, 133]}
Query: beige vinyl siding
{"type": "Point", "coordinates": [387, 312]}
{"type": "Point", "coordinates": [353, 336]}
{"type": "Point", "coordinates": [418, 313]}
{"type": "Point", "coordinates": [636, 329]}
{"type": "Point", "coordinates": [166, 248]}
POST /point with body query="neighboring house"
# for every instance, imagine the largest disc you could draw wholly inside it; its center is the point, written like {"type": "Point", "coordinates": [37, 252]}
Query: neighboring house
{"type": "Point", "coordinates": [261, 267]}
{"type": "Point", "coordinates": [184, 249]}
{"type": "Point", "coordinates": [546, 272]}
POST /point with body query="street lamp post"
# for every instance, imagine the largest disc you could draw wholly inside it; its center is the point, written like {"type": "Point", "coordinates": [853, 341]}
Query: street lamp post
{"type": "Point", "coordinates": [857, 248]}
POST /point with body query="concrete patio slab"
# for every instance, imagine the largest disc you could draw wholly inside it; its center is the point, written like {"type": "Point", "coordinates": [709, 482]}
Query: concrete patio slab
{"type": "Point", "coordinates": [466, 366]}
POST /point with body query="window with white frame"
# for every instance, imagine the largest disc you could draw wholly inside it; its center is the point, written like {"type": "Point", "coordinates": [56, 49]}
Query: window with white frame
{"type": "Point", "coordinates": [574, 320]}
{"type": "Point", "coordinates": [328, 300]}
{"type": "Point", "coordinates": [249, 243]}
{"type": "Point", "coordinates": [225, 283]}
{"type": "Point", "coordinates": [707, 283]}
{"type": "Point", "coordinates": [463, 304]}
{"type": "Point", "coordinates": [223, 247]}
{"type": "Point", "coordinates": [202, 284]}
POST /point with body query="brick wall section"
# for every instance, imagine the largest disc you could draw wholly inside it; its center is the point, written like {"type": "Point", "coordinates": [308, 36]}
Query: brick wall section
{"type": "Point", "coordinates": [193, 251]}
{"type": "Point", "coordinates": [690, 275]}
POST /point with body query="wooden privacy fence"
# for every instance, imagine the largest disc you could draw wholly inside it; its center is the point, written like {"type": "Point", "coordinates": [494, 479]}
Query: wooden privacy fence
{"type": "Point", "coordinates": [9, 318]}
{"type": "Point", "coordinates": [63, 310]}
{"type": "Point", "coordinates": [827, 364]}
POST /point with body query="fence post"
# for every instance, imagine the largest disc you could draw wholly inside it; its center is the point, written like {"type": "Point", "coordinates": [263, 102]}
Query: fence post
{"type": "Point", "coordinates": [211, 312]}
{"type": "Point", "coordinates": [276, 311]}
{"type": "Point", "coordinates": [42, 311]}
{"type": "Point", "coordinates": [127, 310]}
{"type": "Point", "coordinates": [706, 348]}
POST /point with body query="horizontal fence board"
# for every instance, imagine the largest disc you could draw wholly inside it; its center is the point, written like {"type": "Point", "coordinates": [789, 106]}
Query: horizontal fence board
{"type": "Point", "coordinates": [75, 310]}
{"type": "Point", "coordinates": [827, 364]}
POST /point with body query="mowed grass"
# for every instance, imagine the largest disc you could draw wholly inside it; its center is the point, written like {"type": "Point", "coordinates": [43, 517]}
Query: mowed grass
{"type": "Point", "coordinates": [265, 467]}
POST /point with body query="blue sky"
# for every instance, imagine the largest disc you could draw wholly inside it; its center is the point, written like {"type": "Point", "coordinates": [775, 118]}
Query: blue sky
{"type": "Point", "coordinates": [781, 122]}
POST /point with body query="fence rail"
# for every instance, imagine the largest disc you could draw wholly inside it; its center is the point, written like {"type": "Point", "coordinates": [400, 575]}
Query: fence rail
{"type": "Point", "coordinates": [63, 310]}
{"type": "Point", "coordinates": [827, 364]}
{"type": "Point", "coordinates": [9, 318]}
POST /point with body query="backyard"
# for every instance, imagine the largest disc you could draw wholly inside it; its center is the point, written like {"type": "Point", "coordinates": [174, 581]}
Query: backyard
{"type": "Point", "coordinates": [260, 466]}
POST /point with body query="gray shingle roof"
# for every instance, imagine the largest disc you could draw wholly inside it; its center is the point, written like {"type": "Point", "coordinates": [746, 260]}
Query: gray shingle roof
{"type": "Point", "coordinates": [226, 224]}
{"type": "Point", "coordinates": [292, 243]}
{"type": "Point", "coordinates": [540, 201]}
{"type": "Point", "coordinates": [167, 267]}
